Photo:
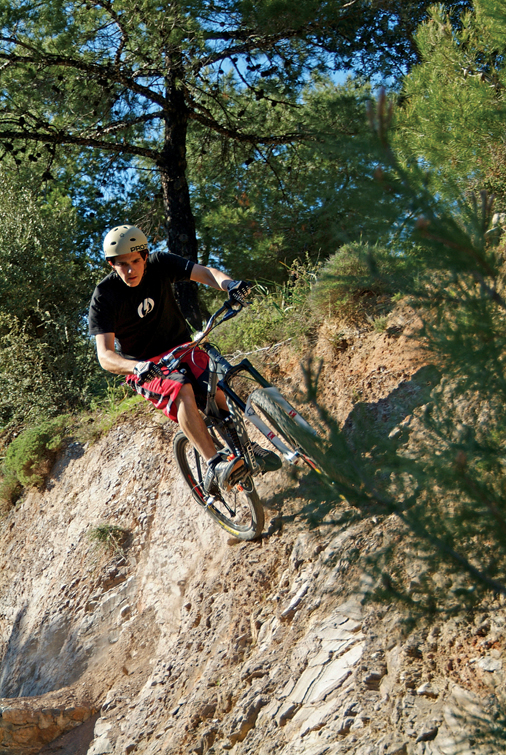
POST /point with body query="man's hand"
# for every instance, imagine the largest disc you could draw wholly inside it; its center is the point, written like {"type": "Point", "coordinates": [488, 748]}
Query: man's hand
{"type": "Point", "coordinates": [239, 290]}
{"type": "Point", "coordinates": [146, 371]}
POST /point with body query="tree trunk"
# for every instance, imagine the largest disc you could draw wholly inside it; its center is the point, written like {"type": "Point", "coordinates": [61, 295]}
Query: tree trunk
{"type": "Point", "coordinates": [179, 220]}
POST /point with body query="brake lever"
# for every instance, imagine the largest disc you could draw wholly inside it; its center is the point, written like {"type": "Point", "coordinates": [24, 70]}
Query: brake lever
{"type": "Point", "coordinates": [231, 313]}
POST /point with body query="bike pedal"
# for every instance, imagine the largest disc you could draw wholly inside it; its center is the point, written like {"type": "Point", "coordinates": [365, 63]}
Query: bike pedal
{"type": "Point", "coordinates": [237, 476]}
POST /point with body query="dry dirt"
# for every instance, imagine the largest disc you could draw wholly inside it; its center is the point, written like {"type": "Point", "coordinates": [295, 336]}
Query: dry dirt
{"type": "Point", "coordinates": [191, 642]}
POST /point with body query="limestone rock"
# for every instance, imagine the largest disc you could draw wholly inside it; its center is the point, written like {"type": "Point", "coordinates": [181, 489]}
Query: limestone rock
{"type": "Point", "coordinates": [187, 641]}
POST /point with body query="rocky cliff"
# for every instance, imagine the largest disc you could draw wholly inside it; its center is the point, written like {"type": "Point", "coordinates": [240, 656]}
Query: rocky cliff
{"type": "Point", "coordinates": [183, 640]}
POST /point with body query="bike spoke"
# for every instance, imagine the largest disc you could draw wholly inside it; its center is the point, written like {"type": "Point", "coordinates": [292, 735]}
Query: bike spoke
{"type": "Point", "coordinates": [237, 510]}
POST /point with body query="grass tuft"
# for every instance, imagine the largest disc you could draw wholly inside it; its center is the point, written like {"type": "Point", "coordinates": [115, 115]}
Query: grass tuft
{"type": "Point", "coordinates": [110, 537]}
{"type": "Point", "coordinates": [277, 312]}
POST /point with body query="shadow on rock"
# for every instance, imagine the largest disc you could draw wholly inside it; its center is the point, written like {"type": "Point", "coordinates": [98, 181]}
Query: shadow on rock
{"type": "Point", "coordinates": [370, 424]}
{"type": "Point", "coordinates": [367, 446]}
{"type": "Point", "coordinates": [74, 450]}
{"type": "Point", "coordinates": [75, 742]}
{"type": "Point", "coordinates": [30, 665]}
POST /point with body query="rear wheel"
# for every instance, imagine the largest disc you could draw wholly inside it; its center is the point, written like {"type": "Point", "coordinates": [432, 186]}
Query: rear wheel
{"type": "Point", "coordinates": [238, 511]}
{"type": "Point", "coordinates": [303, 439]}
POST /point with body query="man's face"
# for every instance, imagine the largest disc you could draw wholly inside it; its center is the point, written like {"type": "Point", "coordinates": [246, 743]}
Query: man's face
{"type": "Point", "coordinates": [130, 268]}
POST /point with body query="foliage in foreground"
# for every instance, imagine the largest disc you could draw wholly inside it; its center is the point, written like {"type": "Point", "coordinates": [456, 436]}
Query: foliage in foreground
{"type": "Point", "coordinates": [438, 462]}
{"type": "Point", "coordinates": [452, 122]}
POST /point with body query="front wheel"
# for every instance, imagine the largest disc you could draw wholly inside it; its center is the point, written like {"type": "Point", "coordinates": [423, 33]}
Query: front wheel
{"type": "Point", "coordinates": [290, 426]}
{"type": "Point", "coordinates": [239, 511]}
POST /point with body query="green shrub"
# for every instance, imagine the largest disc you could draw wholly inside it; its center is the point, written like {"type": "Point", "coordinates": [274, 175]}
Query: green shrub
{"type": "Point", "coordinates": [10, 490]}
{"type": "Point", "coordinates": [43, 379]}
{"type": "Point", "coordinates": [29, 457]}
{"type": "Point", "coordinates": [276, 313]}
{"type": "Point", "coordinates": [260, 324]}
{"type": "Point", "coordinates": [380, 324]}
{"type": "Point", "coordinates": [358, 276]}
{"type": "Point", "coordinates": [47, 361]}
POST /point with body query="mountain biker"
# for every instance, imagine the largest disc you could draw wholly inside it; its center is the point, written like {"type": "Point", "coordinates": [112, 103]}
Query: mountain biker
{"type": "Point", "coordinates": [134, 307]}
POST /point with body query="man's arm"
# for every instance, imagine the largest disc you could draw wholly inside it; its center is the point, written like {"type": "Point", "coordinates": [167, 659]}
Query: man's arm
{"type": "Point", "coordinates": [109, 359]}
{"type": "Point", "coordinates": [211, 277]}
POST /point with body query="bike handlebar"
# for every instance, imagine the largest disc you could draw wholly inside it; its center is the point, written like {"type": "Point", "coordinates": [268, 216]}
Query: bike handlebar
{"type": "Point", "coordinates": [230, 307]}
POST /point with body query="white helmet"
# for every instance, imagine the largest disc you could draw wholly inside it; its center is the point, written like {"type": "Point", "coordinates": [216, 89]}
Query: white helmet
{"type": "Point", "coordinates": [124, 239]}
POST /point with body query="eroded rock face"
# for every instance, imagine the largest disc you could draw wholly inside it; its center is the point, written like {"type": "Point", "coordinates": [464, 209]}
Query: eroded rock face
{"type": "Point", "coordinates": [26, 725]}
{"type": "Point", "coordinates": [190, 642]}
{"type": "Point", "coordinates": [79, 616]}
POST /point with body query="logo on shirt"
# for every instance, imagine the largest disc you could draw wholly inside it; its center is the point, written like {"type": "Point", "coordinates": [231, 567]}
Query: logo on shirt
{"type": "Point", "coordinates": [145, 307]}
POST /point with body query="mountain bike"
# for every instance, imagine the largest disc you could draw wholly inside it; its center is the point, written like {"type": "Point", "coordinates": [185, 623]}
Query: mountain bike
{"type": "Point", "coordinates": [268, 415]}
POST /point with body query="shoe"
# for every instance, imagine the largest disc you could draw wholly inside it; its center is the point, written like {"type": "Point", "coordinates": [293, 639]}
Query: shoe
{"type": "Point", "coordinates": [222, 474]}
{"type": "Point", "coordinates": [267, 460]}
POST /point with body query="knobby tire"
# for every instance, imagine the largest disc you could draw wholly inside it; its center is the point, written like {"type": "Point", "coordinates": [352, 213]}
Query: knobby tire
{"type": "Point", "coordinates": [249, 520]}
{"type": "Point", "coordinates": [297, 437]}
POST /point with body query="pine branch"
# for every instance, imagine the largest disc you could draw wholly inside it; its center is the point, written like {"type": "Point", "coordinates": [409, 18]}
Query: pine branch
{"type": "Point", "coordinates": [240, 136]}
{"type": "Point", "coordinates": [250, 40]}
{"type": "Point", "coordinates": [122, 125]}
{"type": "Point", "coordinates": [94, 70]}
{"type": "Point", "coordinates": [107, 6]}
{"type": "Point", "coordinates": [267, 160]}
{"type": "Point", "coordinates": [62, 138]}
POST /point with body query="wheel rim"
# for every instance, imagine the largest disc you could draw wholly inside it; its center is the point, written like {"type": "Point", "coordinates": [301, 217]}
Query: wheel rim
{"type": "Point", "coordinates": [232, 509]}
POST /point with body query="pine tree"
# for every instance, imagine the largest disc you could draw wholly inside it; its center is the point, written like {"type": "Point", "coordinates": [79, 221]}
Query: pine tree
{"type": "Point", "coordinates": [282, 203]}
{"type": "Point", "coordinates": [129, 78]}
{"type": "Point", "coordinates": [440, 466]}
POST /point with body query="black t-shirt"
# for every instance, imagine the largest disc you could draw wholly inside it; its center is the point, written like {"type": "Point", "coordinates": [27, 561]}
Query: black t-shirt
{"type": "Point", "coordinates": [145, 319]}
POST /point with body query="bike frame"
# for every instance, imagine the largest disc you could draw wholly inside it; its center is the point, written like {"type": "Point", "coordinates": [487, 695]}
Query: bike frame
{"type": "Point", "coordinates": [221, 373]}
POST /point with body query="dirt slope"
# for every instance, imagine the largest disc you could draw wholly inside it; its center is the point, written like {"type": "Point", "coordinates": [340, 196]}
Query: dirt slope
{"type": "Point", "coordinates": [193, 642]}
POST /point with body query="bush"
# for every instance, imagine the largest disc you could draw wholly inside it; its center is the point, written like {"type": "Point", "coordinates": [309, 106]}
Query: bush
{"type": "Point", "coordinates": [47, 361]}
{"type": "Point", "coordinates": [276, 314]}
{"type": "Point", "coordinates": [43, 377]}
{"type": "Point", "coordinates": [29, 457]}
{"type": "Point", "coordinates": [357, 277]}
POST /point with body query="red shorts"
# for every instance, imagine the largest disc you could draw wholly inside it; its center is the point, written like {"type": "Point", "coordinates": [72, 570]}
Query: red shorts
{"type": "Point", "coordinates": [163, 392]}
